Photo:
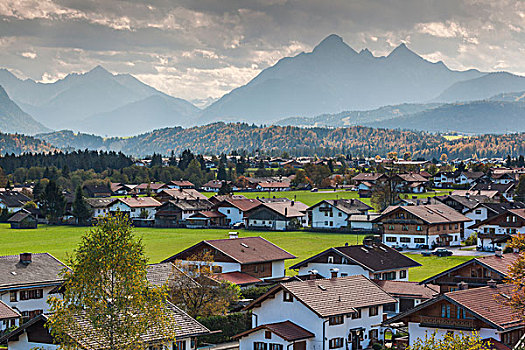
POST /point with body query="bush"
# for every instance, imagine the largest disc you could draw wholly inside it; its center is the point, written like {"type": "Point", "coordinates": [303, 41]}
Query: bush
{"type": "Point", "coordinates": [472, 240]}
{"type": "Point", "coordinates": [230, 325]}
{"type": "Point", "coordinates": [508, 250]}
{"type": "Point", "coordinates": [254, 292]}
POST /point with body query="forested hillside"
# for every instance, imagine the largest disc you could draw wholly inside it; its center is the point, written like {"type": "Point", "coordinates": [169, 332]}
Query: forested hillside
{"type": "Point", "coordinates": [17, 144]}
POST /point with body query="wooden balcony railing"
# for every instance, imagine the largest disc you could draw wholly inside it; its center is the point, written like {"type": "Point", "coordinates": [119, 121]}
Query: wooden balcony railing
{"type": "Point", "coordinates": [448, 322]}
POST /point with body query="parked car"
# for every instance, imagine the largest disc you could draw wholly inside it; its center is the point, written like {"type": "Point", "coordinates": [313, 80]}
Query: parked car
{"type": "Point", "coordinates": [442, 252]}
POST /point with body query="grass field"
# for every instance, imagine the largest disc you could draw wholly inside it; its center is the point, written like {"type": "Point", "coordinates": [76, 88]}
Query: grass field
{"type": "Point", "coordinates": [162, 243]}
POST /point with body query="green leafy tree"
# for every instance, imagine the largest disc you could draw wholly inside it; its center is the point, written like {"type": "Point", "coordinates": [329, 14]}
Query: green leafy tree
{"type": "Point", "coordinates": [81, 210]}
{"type": "Point", "coordinates": [226, 188]}
{"type": "Point", "coordinates": [384, 194]}
{"type": "Point", "coordinates": [451, 341]}
{"type": "Point", "coordinates": [52, 202]}
{"type": "Point", "coordinates": [221, 172]}
{"type": "Point", "coordinates": [520, 190]}
{"type": "Point", "coordinates": [106, 286]}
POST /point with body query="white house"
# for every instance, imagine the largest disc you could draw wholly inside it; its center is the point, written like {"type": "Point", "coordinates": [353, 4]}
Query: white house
{"type": "Point", "coordinates": [278, 216]}
{"type": "Point", "coordinates": [494, 232]}
{"type": "Point", "coordinates": [8, 317]}
{"type": "Point", "coordinates": [13, 201]}
{"type": "Point", "coordinates": [142, 208]}
{"type": "Point", "coordinates": [252, 256]}
{"type": "Point", "coordinates": [100, 206]}
{"type": "Point", "coordinates": [236, 209]}
{"type": "Point", "coordinates": [34, 334]}
{"type": "Point", "coordinates": [28, 280]}
{"type": "Point", "coordinates": [482, 310]}
{"type": "Point", "coordinates": [335, 214]}
{"type": "Point", "coordinates": [336, 313]}
{"type": "Point", "coordinates": [373, 260]}
{"type": "Point", "coordinates": [482, 211]}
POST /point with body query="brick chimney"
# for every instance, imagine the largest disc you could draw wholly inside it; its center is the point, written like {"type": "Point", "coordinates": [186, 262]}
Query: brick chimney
{"type": "Point", "coordinates": [334, 272]}
{"type": "Point", "coordinates": [25, 258]}
{"type": "Point", "coordinates": [312, 274]}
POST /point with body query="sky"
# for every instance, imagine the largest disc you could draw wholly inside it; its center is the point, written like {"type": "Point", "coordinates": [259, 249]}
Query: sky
{"type": "Point", "coordinates": [199, 49]}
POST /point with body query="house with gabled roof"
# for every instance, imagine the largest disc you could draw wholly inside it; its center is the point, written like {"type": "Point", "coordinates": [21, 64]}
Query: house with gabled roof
{"type": "Point", "coordinates": [505, 191]}
{"type": "Point", "coordinates": [494, 232]}
{"type": "Point", "coordinates": [474, 273]}
{"type": "Point", "coordinates": [27, 280]}
{"type": "Point", "coordinates": [100, 206]}
{"type": "Point", "coordinates": [366, 181]}
{"type": "Point", "coordinates": [409, 182]}
{"type": "Point", "coordinates": [372, 260]}
{"type": "Point", "coordinates": [484, 210]}
{"type": "Point", "coordinates": [253, 256]}
{"type": "Point", "coordinates": [336, 313]}
{"type": "Point", "coordinates": [181, 193]}
{"type": "Point", "coordinates": [13, 201]}
{"type": "Point", "coordinates": [236, 209]}
{"type": "Point", "coordinates": [137, 208]}
{"type": "Point", "coordinates": [278, 215]}
{"type": "Point", "coordinates": [483, 310]}
{"type": "Point", "coordinates": [429, 225]}
{"type": "Point", "coordinates": [174, 212]}
{"type": "Point", "coordinates": [336, 213]}
{"type": "Point", "coordinates": [9, 317]}
{"type": "Point", "coordinates": [34, 333]}
{"type": "Point", "coordinates": [408, 294]}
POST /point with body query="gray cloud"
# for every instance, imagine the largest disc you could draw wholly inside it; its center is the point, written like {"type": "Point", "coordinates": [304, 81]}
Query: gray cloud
{"type": "Point", "coordinates": [200, 48]}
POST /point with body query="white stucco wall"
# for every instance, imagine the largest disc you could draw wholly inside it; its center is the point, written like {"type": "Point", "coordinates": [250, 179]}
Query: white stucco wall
{"type": "Point", "coordinates": [233, 215]}
{"type": "Point", "coordinates": [23, 344]}
{"type": "Point", "coordinates": [133, 212]}
{"type": "Point", "coordinates": [28, 305]}
{"type": "Point", "coordinates": [456, 241]}
{"type": "Point", "coordinates": [324, 269]}
{"type": "Point", "coordinates": [476, 215]}
{"type": "Point", "coordinates": [278, 269]}
{"type": "Point", "coordinates": [322, 219]}
{"type": "Point", "coordinates": [226, 266]}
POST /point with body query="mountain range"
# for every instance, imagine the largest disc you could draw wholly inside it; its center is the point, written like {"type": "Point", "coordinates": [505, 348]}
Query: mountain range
{"type": "Point", "coordinates": [15, 120]}
{"type": "Point", "coordinates": [333, 85]}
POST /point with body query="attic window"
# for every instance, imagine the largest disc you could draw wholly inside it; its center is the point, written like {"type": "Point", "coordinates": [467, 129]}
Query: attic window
{"type": "Point", "coordinates": [330, 259]}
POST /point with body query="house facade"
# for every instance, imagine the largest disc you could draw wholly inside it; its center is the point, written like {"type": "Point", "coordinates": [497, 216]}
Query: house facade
{"type": "Point", "coordinates": [236, 209]}
{"type": "Point", "coordinates": [278, 216]}
{"type": "Point", "coordinates": [137, 208]}
{"type": "Point", "coordinates": [413, 226]}
{"type": "Point", "coordinates": [336, 313]}
{"type": "Point", "coordinates": [373, 260]}
{"type": "Point", "coordinates": [496, 231]}
{"type": "Point", "coordinates": [335, 214]}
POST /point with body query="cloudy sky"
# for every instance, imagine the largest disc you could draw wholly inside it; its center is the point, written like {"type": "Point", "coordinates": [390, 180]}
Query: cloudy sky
{"type": "Point", "coordinates": [196, 49]}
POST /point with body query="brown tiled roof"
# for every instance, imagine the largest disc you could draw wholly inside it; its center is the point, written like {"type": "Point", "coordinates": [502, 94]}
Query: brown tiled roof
{"type": "Point", "coordinates": [153, 186]}
{"type": "Point", "coordinates": [412, 177]}
{"type": "Point", "coordinates": [431, 213]}
{"type": "Point", "coordinates": [501, 188]}
{"type": "Point", "coordinates": [375, 257]}
{"type": "Point", "coordinates": [274, 184]}
{"type": "Point", "coordinates": [494, 219]}
{"type": "Point", "coordinates": [182, 183]}
{"type": "Point", "coordinates": [243, 204]}
{"type": "Point", "coordinates": [335, 296]}
{"type": "Point", "coordinates": [348, 206]}
{"type": "Point", "coordinates": [100, 202]}
{"type": "Point", "coordinates": [6, 312]}
{"type": "Point", "coordinates": [140, 202]}
{"type": "Point", "coordinates": [209, 214]}
{"type": "Point", "coordinates": [500, 264]}
{"type": "Point", "coordinates": [245, 250]}
{"type": "Point", "coordinates": [167, 273]}
{"type": "Point", "coordinates": [367, 177]}
{"type": "Point", "coordinates": [490, 304]}
{"type": "Point", "coordinates": [287, 330]}
{"type": "Point", "coordinates": [183, 193]}
{"type": "Point", "coordinates": [404, 288]}
{"type": "Point", "coordinates": [289, 209]}
{"type": "Point", "coordinates": [236, 277]}
{"type": "Point", "coordinates": [44, 269]}
{"type": "Point", "coordinates": [19, 216]}
{"type": "Point", "coordinates": [463, 193]}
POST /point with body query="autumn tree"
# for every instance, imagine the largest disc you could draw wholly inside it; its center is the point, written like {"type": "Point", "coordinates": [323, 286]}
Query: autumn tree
{"type": "Point", "coordinates": [451, 341]}
{"type": "Point", "coordinates": [106, 287]}
{"type": "Point", "coordinates": [384, 194]}
{"type": "Point", "coordinates": [204, 294]}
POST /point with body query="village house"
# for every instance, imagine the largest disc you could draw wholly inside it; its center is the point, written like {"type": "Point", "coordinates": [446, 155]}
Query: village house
{"type": "Point", "coordinates": [462, 204]}
{"type": "Point", "coordinates": [23, 219]}
{"type": "Point", "coordinates": [416, 226]}
{"type": "Point", "coordinates": [207, 218]}
{"type": "Point", "coordinates": [219, 198]}
{"type": "Point", "coordinates": [273, 186]}
{"type": "Point", "coordinates": [150, 188]}
{"type": "Point", "coordinates": [366, 181]}
{"type": "Point", "coordinates": [27, 280]}
{"type": "Point", "coordinates": [372, 260]}
{"type": "Point", "coordinates": [250, 256]}
{"type": "Point", "coordinates": [408, 295]}
{"type": "Point", "coordinates": [477, 272]}
{"type": "Point", "coordinates": [278, 216]}
{"type": "Point", "coordinates": [97, 191]}
{"type": "Point", "coordinates": [13, 201]}
{"type": "Point", "coordinates": [336, 313]}
{"type": "Point", "coordinates": [139, 209]}
{"type": "Point", "coordinates": [484, 210]}
{"type": "Point", "coordinates": [213, 185]}
{"type": "Point", "coordinates": [181, 193]}
{"type": "Point", "coordinates": [409, 183]}
{"type": "Point", "coordinates": [482, 310]}
{"type": "Point", "coordinates": [34, 334]}
{"type": "Point", "coordinates": [9, 317]}
{"type": "Point", "coordinates": [502, 178]}
{"type": "Point", "coordinates": [505, 191]}
{"type": "Point", "coordinates": [494, 232]}
{"type": "Point", "coordinates": [100, 206]}
{"type": "Point", "coordinates": [336, 213]}
{"type": "Point", "coordinates": [119, 189]}
{"type": "Point", "coordinates": [174, 212]}
{"type": "Point", "coordinates": [236, 210]}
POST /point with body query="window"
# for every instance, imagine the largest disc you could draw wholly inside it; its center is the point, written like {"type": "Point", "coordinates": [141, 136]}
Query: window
{"type": "Point", "coordinates": [12, 296]}
{"type": "Point", "coordinates": [419, 240]}
{"type": "Point", "coordinates": [259, 346]}
{"type": "Point", "coordinates": [405, 239]}
{"type": "Point", "coordinates": [333, 320]}
{"type": "Point", "coordinates": [331, 223]}
{"type": "Point", "coordinates": [179, 345]}
{"type": "Point", "coordinates": [478, 211]}
{"type": "Point", "coordinates": [391, 239]}
{"type": "Point", "coordinates": [31, 294]}
{"type": "Point", "coordinates": [356, 315]}
{"type": "Point", "coordinates": [326, 223]}
{"type": "Point", "coordinates": [391, 227]}
{"type": "Point", "coordinates": [267, 335]}
{"type": "Point", "coordinates": [287, 297]}
{"type": "Point", "coordinates": [340, 214]}
{"type": "Point", "coordinates": [438, 227]}
{"type": "Point", "coordinates": [372, 334]}
{"type": "Point", "coordinates": [274, 346]}
{"type": "Point", "coordinates": [388, 276]}
{"type": "Point", "coordinates": [419, 228]}
{"type": "Point", "coordinates": [456, 226]}
{"type": "Point", "coordinates": [445, 311]}
{"type": "Point", "coordinates": [403, 274]}
{"type": "Point", "coordinates": [373, 311]}
{"type": "Point", "coordinates": [377, 276]}
{"type": "Point", "coordinates": [405, 228]}
{"type": "Point", "coordinates": [330, 259]}
{"type": "Point", "coordinates": [336, 343]}
{"type": "Point", "coordinates": [228, 211]}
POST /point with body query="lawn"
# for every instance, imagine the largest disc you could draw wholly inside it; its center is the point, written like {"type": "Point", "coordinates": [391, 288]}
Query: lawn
{"type": "Point", "coordinates": [162, 243]}
{"type": "Point", "coordinates": [432, 265]}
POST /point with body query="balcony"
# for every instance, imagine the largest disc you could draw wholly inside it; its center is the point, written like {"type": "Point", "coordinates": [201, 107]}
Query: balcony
{"type": "Point", "coordinates": [452, 323]}
{"type": "Point", "coordinates": [469, 280]}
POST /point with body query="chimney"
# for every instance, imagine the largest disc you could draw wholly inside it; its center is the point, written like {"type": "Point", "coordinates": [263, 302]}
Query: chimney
{"type": "Point", "coordinates": [233, 235]}
{"type": "Point", "coordinates": [492, 284]}
{"type": "Point", "coordinates": [346, 244]}
{"type": "Point", "coordinates": [25, 258]}
{"type": "Point", "coordinates": [462, 286]}
{"type": "Point", "coordinates": [334, 272]}
{"type": "Point", "coordinates": [498, 253]}
{"type": "Point", "coordinates": [313, 274]}
{"type": "Point", "coordinates": [291, 204]}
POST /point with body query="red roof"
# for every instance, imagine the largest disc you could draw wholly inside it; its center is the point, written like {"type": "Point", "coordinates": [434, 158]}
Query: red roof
{"type": "Point", "coordinates": [287, 330]}
{"type": "Point", "coordinates": [403, 288]}
{"type": "Point", "coordinates": [140, 202]}
{"type": "Point", "coordinates": [243, 204]}
{"type": "Point", "coordinates": [274, 184]}
{"type": "Point", "coordinates": [236, 277]}
{"type": "Point", "coordinates": [6, 312]}
{"type": "Point", "coordinates": [209, 214]}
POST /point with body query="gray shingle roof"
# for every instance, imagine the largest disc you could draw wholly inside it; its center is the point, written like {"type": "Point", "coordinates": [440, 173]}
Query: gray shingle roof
{"type": "Point", "coordinates": [44, 269]}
